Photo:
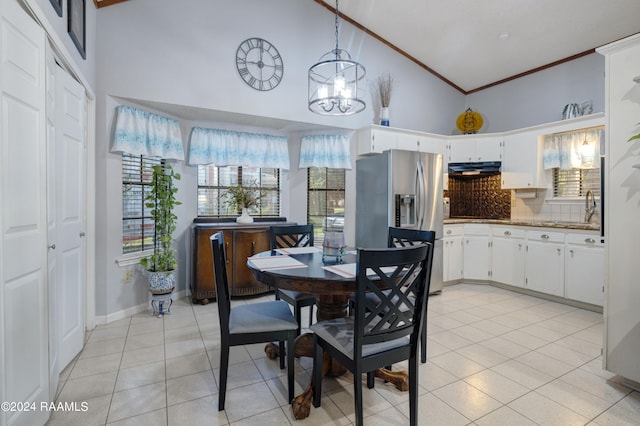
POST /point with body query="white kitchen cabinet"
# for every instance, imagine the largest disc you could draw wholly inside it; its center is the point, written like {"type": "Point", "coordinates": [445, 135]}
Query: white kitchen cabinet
{"type": "Point", "coordinates": [544, 262]}
{"type": "Point", "coordinates": [507, 255]}
{"type": "Point", "coordinates": [522, 165]}
{"type": "Point", "coordinates": [474, 149]}
{"type": "Point", "coordinates": [489, 149]}
{"type": "Point", "coordinates": [423, 142]}
{"type": "Point", "coordinates": [462, 150]}
{"type": "Point", "coordinates": [476, 252]}
{"type": "Point", "coordinates": [376, 139]}
{"type": "Point", "coordinates": [584, 267]}
{"type": "Point", "coordinates": [452, 253]}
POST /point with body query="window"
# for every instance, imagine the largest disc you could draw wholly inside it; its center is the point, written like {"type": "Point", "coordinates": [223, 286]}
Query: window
{"type": "Point", "coordinates": [213, 182]}
{"type": "Point", "coordinates": [137, 225]}
{"type": "Point", "coordinates": [574, 183]}
{"type": "Point", "coordinates": [325, 200]}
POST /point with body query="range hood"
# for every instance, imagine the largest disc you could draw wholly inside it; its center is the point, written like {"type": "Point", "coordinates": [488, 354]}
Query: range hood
{"type": "Point", "coordinates": [474, 169]}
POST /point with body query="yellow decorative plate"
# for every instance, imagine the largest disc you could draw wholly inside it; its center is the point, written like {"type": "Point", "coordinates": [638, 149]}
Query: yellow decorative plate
{"type": "Point", "coordinates": [469, 121]}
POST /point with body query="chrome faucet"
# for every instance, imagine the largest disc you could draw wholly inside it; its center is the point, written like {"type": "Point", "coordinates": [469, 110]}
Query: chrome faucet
{"type": "Point", "coordinates": [589, 206]}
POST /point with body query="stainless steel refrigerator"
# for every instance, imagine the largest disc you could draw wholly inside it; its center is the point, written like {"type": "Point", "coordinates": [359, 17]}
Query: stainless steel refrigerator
{"type": "Point", "coordinates": [401, 189]}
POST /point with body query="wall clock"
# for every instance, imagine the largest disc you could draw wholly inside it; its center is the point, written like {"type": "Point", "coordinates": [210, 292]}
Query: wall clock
{"type": "Point", "coordinates": [259, 64]}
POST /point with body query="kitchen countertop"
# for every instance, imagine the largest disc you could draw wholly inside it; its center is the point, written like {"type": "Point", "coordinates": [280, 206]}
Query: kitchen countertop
{"type": "Point", "coordinates": [539, 224]}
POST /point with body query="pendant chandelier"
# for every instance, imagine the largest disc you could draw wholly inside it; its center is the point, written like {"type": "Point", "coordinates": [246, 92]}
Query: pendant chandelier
{"type": "Point", "coordinates": [333, 82]}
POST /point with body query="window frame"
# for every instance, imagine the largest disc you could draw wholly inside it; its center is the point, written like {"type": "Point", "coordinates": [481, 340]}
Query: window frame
{"type": "Point", "coordinates": [145, 172]}
{"type": "Point", "coordinates": [586, 179]}
{"type": "Point", "coordinates": [220, 189]}
{"type": "Point", "coordinates": [319, 230]}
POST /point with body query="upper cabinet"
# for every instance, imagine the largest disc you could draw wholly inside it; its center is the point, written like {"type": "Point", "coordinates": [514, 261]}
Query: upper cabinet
{"type": "Point", "coordinates": [376, 139]}
{"type": "Point", "coordinates": [522, 165]}
{"type": "Point", "coordinates": [475, 148]}
{"type": "Point", "coordinates": [422, 142]}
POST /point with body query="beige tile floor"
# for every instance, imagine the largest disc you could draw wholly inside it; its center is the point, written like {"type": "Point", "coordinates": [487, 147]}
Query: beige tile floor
{"type": "Point", "coordinates": [495, 357]}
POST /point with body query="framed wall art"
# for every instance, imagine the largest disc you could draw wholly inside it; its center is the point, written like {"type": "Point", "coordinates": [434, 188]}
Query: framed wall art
{"type": "Point", "coordinates": [76, 25]}
{"type": "Point", "coordinates": [57, 5]}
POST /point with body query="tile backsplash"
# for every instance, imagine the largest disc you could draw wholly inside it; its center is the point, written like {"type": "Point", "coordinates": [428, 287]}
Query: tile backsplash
{"type": "Point", "coordinates": [538, 209]}
{"type": "Point", "coordinates": [479, 196]}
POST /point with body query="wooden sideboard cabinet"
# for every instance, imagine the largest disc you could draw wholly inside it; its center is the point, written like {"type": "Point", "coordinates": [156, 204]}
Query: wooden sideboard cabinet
{"type": "Point", "coordinates": [241, 241]}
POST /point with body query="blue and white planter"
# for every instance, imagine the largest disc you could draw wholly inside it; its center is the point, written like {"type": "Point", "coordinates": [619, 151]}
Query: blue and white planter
{"type": "Point", "coordinates": [161, 286]}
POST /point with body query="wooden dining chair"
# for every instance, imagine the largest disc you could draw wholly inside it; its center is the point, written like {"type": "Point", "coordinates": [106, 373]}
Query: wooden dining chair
{"type": "Point", "coordinates": [402, 237]}
{"type": "Point", "coordinates": [382, 333]}
{"type": "Point", "coordinates": [249, 323]}
{"type": "Point", "coordinates": [288, 236]}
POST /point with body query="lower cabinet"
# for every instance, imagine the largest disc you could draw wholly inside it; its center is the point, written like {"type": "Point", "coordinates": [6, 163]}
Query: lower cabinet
{"type": "Point", "coordinates": [507, 255]}
{"type": "Point", "coordinates": [452, 253]}
{"type": "Point", "coordinates": [241, 241]}
{"type": "Point", "coordinates": [544, 262]}
{"type": "Point", "coordinates": [584, 265]}
{"type": "Point", "coordinates": [563, 263]}
{"type": "Point", "coordinates": [476, 252]}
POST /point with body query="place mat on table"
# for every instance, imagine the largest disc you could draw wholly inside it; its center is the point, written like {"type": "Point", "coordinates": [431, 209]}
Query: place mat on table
{"type": "Point", "coordinates": [298, 250]}
{"type": "Point", "coordinates": [348, 270]}
{"type": "Point", "coordinates": [276, 262]}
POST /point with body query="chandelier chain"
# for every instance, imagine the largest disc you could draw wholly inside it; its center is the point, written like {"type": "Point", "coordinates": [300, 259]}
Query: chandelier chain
{"type": "Point", "coordinates": [337, 33]}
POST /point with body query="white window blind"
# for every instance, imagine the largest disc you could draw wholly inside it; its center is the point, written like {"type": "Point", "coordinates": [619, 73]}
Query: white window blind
{"type": "Point", "coordinates": [574, 183]}
{"type": "Point", "coordinates": [214, 181]}
{"type": "Point", "coordinates": [325, 200]}
{"type": "Point", "coordinates": [137, 225]}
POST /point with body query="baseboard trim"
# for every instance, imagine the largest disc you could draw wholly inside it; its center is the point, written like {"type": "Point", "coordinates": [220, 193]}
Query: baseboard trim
{"type": "Point", "coordinates": [125, 313]}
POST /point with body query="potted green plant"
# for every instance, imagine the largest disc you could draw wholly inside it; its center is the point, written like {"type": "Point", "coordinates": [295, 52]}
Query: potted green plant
{"type": "Point", "coordinates": [239, 198]}
{"type": "Point", "coordinates": [162, 264]}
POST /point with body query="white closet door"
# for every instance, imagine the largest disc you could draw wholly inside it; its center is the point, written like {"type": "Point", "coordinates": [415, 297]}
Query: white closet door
{"type": "Point", "coordinates": [70, 159]}
{"type": "Point", "coordinates": [24, 332]}
{"type": "Point", "coordinates": [52, 258]}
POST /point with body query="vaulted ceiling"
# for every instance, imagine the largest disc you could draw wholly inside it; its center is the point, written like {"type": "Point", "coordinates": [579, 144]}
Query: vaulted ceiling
{"type": "Point", "coordinates": [474, 44]}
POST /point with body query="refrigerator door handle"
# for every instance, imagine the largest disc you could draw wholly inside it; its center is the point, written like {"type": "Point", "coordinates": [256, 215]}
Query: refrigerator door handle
{"type": "Point", "coordinates": [420, 194]}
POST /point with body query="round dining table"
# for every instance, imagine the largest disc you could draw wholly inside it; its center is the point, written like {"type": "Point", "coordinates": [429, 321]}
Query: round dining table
{"type": "Point", "coordinates": [331, 290]}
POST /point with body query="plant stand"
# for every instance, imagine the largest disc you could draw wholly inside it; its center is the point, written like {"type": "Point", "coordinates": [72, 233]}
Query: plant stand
{"type": "Point", "coordinates": [161, 301]}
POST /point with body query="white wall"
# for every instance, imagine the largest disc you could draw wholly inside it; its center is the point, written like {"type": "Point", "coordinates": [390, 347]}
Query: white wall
{"type": "Point", "coordinates": [183, 53]}
{"type": "Point", "coordinates": [539, 98]}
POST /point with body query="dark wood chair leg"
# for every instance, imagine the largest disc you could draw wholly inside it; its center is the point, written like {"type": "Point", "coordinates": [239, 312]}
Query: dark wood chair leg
{"type": "Point", "coordinates": [224, 366]}
{"type": "Point", "coordinates": [290, 367]}
{"type": "Point", "coordinates": [316, 379]}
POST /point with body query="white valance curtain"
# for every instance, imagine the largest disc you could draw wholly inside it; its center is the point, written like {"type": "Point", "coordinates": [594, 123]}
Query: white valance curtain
{"type": "Point", "coordinates": [230, 148]}
{"type": "Point", "coordinates": [325, 151]}
{"type": "Point", "coordinates": [144, 133]}
{"type": "Point", "coordinates": [573, 150]}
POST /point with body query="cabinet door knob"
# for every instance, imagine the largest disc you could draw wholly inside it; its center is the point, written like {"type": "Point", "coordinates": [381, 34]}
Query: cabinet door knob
{"type": "Point", "coordinates": [52, 246]}
{"type": "Point", "coordinates": [558, 251]}
{"type": "Point", "coordinates": [507, 233]}
{"type": "Point", "coordinates": [544, 236]}
{"type": "Point", "coordinates": [253, 248]}
{"type": "Point", "coordinates": [571, 252]}
{"type": "Point", "coordinates": [589, 240]}
{"type": "Point", "coordinates": [448, 231]}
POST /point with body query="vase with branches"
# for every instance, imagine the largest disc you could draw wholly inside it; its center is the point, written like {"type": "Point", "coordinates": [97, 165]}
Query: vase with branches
{"type": "Point", "coordinates": [385, 88]}
{"type": "Point", "coordinates": [242, 198]}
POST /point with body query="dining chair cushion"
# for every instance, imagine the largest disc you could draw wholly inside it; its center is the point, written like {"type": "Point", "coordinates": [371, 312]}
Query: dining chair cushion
{"type": "Point", "coordinates": [261, 317]}
{"type": "Point", "coordinates": [295, 295]}
{"type": "Point", "coordinates": [339, 334]}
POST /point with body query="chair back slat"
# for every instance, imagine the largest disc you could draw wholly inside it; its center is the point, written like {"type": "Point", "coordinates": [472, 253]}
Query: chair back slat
{"type": "Point", "coordinates": [291, 236]}
{"type": "Point", "coordinates": [400, 277]}
{"type": "Point", "coordinates": [220, 274]}
{"type": "Point", "coordinates": [402, 237]}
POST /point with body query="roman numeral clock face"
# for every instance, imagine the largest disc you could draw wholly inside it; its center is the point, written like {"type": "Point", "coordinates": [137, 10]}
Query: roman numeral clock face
{"type": "Point", "coordinates": [259, 64]}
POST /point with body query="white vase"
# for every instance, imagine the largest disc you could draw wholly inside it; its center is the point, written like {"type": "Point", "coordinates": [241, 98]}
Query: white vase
{"type": "Point", "coordinates": [244, 217]}
{"type": "Point", "coordinates": [384, 116]}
